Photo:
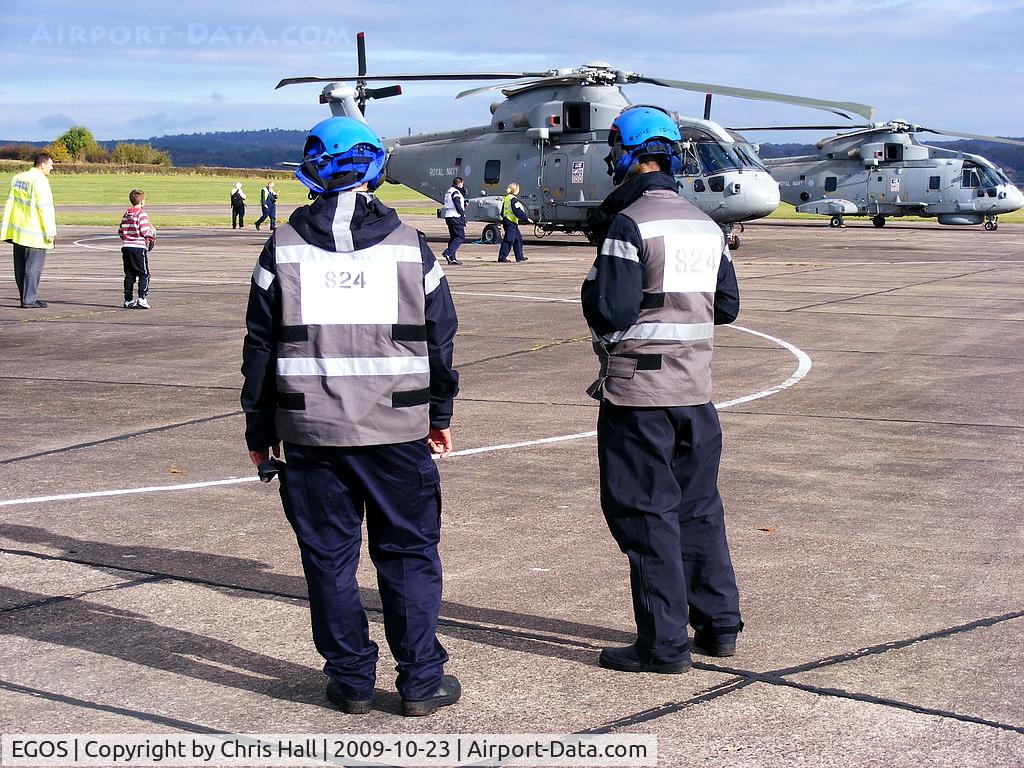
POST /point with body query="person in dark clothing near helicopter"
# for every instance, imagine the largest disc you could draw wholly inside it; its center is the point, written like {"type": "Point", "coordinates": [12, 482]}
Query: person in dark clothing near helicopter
{"type": "Point", "coordinates": [661, 282]}
{"type": "Point", "coordinates": [348, 361]}
{"type": "Point", "coordinates": [513, 213]}
{"type": "Point", "coordinates": [455, 218]}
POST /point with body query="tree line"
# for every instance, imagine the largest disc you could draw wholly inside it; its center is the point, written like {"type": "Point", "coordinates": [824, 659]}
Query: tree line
{"type": "Point", "coordinates": [78, 145]}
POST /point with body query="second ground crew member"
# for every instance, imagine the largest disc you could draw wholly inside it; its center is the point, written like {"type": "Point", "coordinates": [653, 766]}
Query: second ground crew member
{"type": "Point", "coordinates": [455, 218]}
{"type": "Point", "coordinates": [30, 224]}
{"type": "Point", "coordinates": [661, 281]}
{"type": "Point", "coordinates": [513, 213]}
{"type": "Point", "coordinates": [348, 360]}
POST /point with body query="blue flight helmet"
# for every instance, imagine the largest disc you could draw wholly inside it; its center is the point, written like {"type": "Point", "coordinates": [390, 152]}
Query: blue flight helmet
{"type": "Point", "coordinates": [639, 131]}
{"type": "Point", "coordinates": [340, 154]}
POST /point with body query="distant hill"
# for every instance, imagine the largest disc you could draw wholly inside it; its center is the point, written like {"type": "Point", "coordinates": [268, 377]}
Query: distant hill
{"type": "Point", "coordinates": [270, 147]}
{"type": "Point", "coordinates": [232, 149]}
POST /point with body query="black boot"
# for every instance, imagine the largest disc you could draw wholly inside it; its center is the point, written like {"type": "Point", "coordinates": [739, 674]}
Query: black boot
{"type": "Point", "coordinates": [628, 660]}
{"type": "Point", "coordinates": [342, 701]}
{"type": "Point", "coordinates": [714, 645]}
{"type": "Point", "coordinates": [447, 693]}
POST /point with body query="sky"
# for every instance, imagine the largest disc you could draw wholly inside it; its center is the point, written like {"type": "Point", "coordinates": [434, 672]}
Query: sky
{"type": "Point", "coordinates": [143, 69]}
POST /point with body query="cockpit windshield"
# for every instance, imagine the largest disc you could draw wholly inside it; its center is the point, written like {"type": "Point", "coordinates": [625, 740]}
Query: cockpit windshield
{"type": "Point", "coordinates": [975, 175]}
{"type": "Point", "coordinates": [709, 155]}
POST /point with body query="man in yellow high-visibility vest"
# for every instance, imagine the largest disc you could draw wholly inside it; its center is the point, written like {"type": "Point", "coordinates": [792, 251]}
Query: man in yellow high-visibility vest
{"type": "Point", "coordinates": [30, 224]}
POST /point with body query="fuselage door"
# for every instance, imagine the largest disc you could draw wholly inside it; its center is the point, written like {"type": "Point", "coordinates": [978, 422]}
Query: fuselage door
{"type": "Point", "coordinates": [554, 177]}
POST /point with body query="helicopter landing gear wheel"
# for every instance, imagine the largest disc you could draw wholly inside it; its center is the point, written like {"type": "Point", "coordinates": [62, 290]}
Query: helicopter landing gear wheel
{"type": "Point", "coordinates": [836, 221]}
{"type": "Point", "coordinates": [992, 224]}
{"type": "Point", "coordinates": [733, 240]}
{"type": "Point", "coordinates": [540, 232]}
{"type": "Point", "coordinates": [591, 236]}
{"type": "Point", "coordinates": [491, 234]}
{"type": "Point", "coordinates": [878, 221]}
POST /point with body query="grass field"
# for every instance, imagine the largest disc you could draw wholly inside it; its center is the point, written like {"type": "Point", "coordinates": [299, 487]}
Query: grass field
{"type": "Point", "coordinates": [112, 190]}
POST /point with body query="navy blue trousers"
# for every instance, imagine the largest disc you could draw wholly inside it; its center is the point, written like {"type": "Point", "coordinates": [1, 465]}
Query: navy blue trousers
{"type": "Point", "coordinates": [269, 212]}
{"type": "Point", "coordinates": [325, 493]}
{"type": "Point", "coordinates": [659, 494]}
{"type": "Point", "coordinates": [456, 236]}
{"type": "Point", "coordinates": [512, 240]}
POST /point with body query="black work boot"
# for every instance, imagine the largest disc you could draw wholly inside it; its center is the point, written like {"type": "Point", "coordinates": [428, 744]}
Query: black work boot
{"type": "Point", "coordinates": [628, 660]}
{"type": "Point", "coordinates": [344, 702]}
{"type": "Point", "coordinates": [714, 645]}
{"type": "Point", "coordinates": [447, 693]}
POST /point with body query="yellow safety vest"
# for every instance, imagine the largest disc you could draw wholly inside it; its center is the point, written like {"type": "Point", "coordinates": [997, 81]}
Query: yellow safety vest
{"type": "Point", "coordinates": [29, 218]}
{"type": "Point", "coordinates": [507, 212]}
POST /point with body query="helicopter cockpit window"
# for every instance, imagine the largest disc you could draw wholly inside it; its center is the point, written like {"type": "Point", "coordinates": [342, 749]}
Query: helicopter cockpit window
{"type": "Point", "coordinates": [970, 179]}
{"type": "Point", "coordinates": [716, 157]}
{"type": "Point", "coordinates": [492, 171]}
{"type": "Point", "coordinates": [747, 154]}
{"type": "Point", "coordinates": [988, 176]}
{"type": "Point", "coordinates": [691, 163]}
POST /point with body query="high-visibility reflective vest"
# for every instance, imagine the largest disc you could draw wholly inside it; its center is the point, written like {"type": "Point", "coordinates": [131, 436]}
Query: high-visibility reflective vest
{"type": "Point", "coordinates": [664, 359]}
{"type": "Point", "coordinates": [352, 363]}
{"type": "Point", "coordinates": [29, 219]}
{"type": "Point", "coordinates": [508, 211]}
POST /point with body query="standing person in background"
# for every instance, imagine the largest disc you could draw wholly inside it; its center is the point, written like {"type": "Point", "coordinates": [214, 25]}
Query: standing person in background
{"type": "Point", "coordinates": [138, 238]}
{"type": "Point", "coordinates": [455, 218]}
{"type": "Point", "coordinates": [268, 206]}
{"type": "Point", "coordinates": [237, 207]}
{"type": "Point", "coordinates": [513, 213]}
{"type": "Point", "coordinates": [30, 224]}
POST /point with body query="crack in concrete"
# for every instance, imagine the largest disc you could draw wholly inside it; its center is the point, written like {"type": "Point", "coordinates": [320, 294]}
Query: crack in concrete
{"type": "Point", "coordinates": [119, 438]}
{"type": "Point", "coordinates": [892, 290]}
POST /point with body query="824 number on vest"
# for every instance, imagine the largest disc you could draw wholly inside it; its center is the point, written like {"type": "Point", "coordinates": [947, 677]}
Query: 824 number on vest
{"type": "Point", "coordinates": [348, 290]}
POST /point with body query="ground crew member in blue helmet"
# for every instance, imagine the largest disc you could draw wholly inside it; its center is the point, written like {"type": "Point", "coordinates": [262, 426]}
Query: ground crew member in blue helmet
{"type": "Point", "coordinates": [513, 213]}
{"type": "Point", "coordinates": [661, 281]}
{"type": "Point", "coordinates": [455, 218]}
{"type": "Point", "coordinates": [348, 361]}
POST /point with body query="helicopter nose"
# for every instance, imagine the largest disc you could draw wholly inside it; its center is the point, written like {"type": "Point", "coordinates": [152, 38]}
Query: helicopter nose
{"type": "Point", "coordinates": [761, 195]}
{"type": "Point", "coordinates": [1013, 201]}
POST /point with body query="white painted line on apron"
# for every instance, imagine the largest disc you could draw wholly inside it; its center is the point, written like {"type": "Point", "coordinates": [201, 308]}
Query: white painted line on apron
{"type": "Point", "coordinates": [519, 296]}
{"type": "Point", "coordinates": [82, 244]}
{"type": "Point", "coordinates": [803, 367]}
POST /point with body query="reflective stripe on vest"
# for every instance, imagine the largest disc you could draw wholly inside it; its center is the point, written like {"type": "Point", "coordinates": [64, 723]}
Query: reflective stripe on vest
{"type": "Point", "coordinates": [352, 364]}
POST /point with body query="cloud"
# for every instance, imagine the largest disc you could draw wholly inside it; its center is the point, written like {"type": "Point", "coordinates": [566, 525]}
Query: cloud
{"type": "Point", "coordinates": [58, 121]}
{"type": "Point", "coordinates": [217, 97]}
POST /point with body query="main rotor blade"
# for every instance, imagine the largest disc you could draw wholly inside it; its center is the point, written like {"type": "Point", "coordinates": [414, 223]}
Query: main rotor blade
{"type": "Point", "coordinates": [836, 107]}
{"type": "Point", "coordinates": [486, 88]}
{"type": "Point", "coordinates": [801, 128]}
{"type": "Point", "coordinates": [419, 76]}
{"type": "Point", "coordinates": [975, 136]}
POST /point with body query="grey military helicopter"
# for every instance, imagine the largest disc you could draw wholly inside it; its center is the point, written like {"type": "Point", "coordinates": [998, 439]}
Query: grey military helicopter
{"type": "Point", "coordinates": [549, 134]}
{"type": "Point", "coordinates": [881, 170]}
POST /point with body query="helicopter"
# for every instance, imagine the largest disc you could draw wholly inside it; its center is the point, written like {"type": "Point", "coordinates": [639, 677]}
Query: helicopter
{"type": "Point", "coordinates": [881, 170]}
{"type": "Point", "coordinates": [549, 134]}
